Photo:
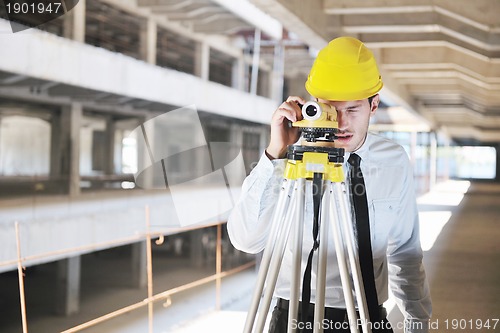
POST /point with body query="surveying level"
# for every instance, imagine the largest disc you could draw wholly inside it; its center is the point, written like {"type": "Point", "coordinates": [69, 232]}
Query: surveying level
{"type": "Point", "coordinates": [319, 123]}
{"type": "Point", "coordinates": [313, 159]}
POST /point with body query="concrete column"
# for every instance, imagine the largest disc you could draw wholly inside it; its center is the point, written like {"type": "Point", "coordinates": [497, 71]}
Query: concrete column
{"type": "Point", "coordinates": [202, 60]}
{"type": "Point", "coordinates": [56, 146]}
{"type": "Point", "coordinates": [432, 160]}
{"type": "Point", "coordinates": [148, 41]}
{"type": "Point", "coordinates": [278, 73]}
{"type": "Point", "coordinates": [238, 74]}
{"type": "Point", "coordinates": [196, 247]}
{"type": "Point", "coordinates": [139, 265]}
{"type": "Point", "coordinates": [200, 160]}
{"type": "Point", "coordinates": [117, 152]}
{"type": "Point", "coordinates": [110, 146]}
{"type": "Point", "coordinates": [74, 23]}
{"type": "Point", "coordinates": [68, 286]}
{"type": "Point", "coordinates": [74, 171]}
{"type": "Point", "coordinates": [59, 153]}
{"type": "Point", "coordinates": [143, 154]}
{"type": "Point", "coordinates": [69, 135]}
{"type": "Point", "coordinates": [236, 135]}
{"type": "Point", "coordinates": [265, 137]}
{"type": "Point", "coordinates": [264, 86]}
{"type": "Point", "coordinates": [255, 62]}
{"type": "Point", "coordinates": [413, 148]}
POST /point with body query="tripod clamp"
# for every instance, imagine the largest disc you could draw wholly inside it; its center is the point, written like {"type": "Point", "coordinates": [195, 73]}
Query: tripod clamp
{"type": "Point", "coordinates": [305, 161]}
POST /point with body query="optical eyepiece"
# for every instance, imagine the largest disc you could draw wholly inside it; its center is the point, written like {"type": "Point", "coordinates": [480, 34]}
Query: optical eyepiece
{"type": "Point", "coordinates": [311, 111]}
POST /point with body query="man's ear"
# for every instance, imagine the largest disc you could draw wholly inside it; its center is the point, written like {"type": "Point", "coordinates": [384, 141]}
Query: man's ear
{"type": "Point", "coordinates": [374, 105]}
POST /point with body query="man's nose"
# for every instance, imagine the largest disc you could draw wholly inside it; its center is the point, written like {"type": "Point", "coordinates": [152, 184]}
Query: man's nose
{"type": "Point", "coordinates": [342, 120]}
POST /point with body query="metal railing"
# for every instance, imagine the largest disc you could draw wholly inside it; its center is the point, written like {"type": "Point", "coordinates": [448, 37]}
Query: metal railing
{"type": "Point", "coordinates": [151, 298]}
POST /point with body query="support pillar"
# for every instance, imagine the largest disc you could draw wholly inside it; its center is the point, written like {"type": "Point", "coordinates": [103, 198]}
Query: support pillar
{"type": "Point", "coordinates": [278, 73]}
{"type": "Point", "coordinates": [109, 163]}
{"type": "Point", "coordinates": [74, 23]}
{"type": "Point", "coordinates": [56, 148]}
{"type": "Point", "coordinates": [255, 63]}
{"type": "Point", "coordinates": [148, 41]}
{"type": "Point", "coordinates": [68, 286]}
{"type": "Point", "coordinates": [238, 74]}
{"type": "Point", "coordinates": [433, 160]}
{"type": "Point", "coordinates": [264, 84]}
{"type": "Point", "coordinates": [70, 124]}
{"type": "Point", "coordinates": [236, 135]}
{"type": "Point", "coordinates": [196, 247]}
{"type": "Point", "coordinates": [265, 137]}
{"type": "Point", "coordinates": [139, 265]}
{"type": "Point", "coordinates": [202, 60]}
{"type": "Point", "coordinates": [413, 148]}
{"type": "Point", "coordinates": [143, 156]}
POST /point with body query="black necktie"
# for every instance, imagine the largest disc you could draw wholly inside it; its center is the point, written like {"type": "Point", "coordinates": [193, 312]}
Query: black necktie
{"type": "Point", "coordinates": [358, 192]}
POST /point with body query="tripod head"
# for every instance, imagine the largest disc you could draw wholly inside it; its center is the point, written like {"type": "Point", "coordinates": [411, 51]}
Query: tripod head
{"type": "Point", "coordinates": [318, 132]}
{"type": "Point", "coordinates": [319, 123]}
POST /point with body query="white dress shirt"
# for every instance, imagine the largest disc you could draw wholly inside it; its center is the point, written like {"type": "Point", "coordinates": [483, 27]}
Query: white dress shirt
{"type": "Point", "coordinates": [397, 254]}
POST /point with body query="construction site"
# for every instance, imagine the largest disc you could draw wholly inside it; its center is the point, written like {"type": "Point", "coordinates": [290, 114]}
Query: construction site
{"type": "Point", "coordinates": [127, 128]}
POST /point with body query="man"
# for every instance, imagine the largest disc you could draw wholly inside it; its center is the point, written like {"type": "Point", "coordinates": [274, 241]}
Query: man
{"type": "Point", "coordinates": [345, 76]}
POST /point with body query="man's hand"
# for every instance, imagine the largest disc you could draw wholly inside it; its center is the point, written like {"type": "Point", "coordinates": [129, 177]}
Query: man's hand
{"type": "Point", "coordinates": [283, 135]}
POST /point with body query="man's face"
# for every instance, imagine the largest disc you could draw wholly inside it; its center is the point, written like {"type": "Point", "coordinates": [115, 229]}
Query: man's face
{"type": "Point", "coordinates": [353, 118]}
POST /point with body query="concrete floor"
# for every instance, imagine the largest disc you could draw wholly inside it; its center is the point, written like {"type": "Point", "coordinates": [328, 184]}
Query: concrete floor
{"type": "Point", "coordinates": [460, 236]}
{"type": "Point", "coordinates": [464, 263]}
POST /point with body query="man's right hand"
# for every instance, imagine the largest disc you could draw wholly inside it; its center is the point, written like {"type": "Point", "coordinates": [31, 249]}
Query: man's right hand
{"type": "Point", "coordinates": [283, 135]}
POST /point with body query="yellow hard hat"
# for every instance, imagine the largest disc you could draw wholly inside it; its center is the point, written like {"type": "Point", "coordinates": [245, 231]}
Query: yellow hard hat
{"type": "Point", "coordinates": [344, 70]}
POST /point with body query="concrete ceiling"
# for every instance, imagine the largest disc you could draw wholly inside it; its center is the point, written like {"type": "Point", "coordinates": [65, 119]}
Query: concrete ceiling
{"type": "Point", "coordinates": [440, 58]}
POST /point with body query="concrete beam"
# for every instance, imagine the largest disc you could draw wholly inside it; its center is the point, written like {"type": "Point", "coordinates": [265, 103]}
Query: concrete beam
{"type": "Point", "coordinates": [432, 53]}
{"type": "Point", "coordinates": [467, 132]}
{"type": "Point", "coordinates": [484, 11]}
{"type": "Point", "coordinates": [88, 67]}
{"type": "Point", "coordinates": [304, 18]}
{"type": "Point", "coordinates": [254, 15]}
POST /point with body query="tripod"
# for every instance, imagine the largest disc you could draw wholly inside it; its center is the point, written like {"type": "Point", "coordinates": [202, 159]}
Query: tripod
{"type": "Point", "coordinates": [324, 166]}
